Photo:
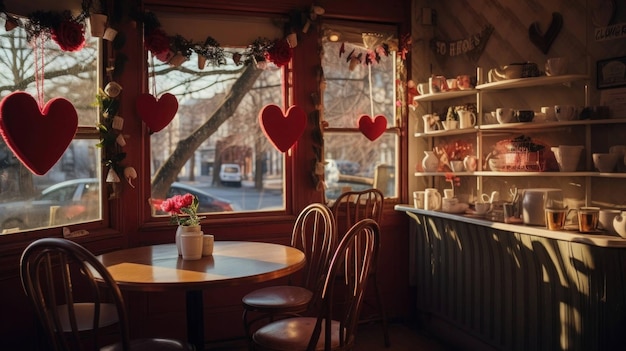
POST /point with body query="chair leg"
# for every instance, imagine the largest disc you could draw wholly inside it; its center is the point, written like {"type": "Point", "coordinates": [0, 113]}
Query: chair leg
{"type": "Point", "coordinates": [381, 310]}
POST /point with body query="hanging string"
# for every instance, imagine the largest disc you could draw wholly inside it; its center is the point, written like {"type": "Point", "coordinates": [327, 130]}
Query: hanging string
{"type": "Point", "coordinates": [369, 68]}
{"type": "Point", "coordinates": [38, 53]}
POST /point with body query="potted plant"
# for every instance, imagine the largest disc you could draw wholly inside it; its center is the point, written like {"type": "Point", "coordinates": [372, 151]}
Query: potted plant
{"type": "Point", "coordinates": [183, 211]}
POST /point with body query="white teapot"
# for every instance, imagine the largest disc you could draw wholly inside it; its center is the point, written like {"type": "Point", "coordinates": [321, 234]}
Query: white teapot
{"type": "Point", "coordinates": [619, 224]}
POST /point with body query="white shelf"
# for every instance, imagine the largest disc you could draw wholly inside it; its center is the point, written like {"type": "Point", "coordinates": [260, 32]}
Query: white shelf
{"type": "Point", "coordinates": [445, 95]}
{"type": "Point", "coordinates": [447, 132]}
{"type": "Point", "coordinates": [523, 174]}
{"type": "Point", "coordinates": [530, 82]}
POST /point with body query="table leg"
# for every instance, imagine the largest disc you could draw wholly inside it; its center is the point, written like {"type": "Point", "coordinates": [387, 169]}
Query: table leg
{"type": "Point", "coordinates": [195, 319]}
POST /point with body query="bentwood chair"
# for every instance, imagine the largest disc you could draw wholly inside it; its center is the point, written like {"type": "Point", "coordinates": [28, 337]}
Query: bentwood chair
{"type": "Point", "coordinates": [314, 232]}
{"type": "Point", "coordinates": [59, 277]}
{"type": "Point", "coordinates": [335, 325]}
{"type": "Point", "coordinates": [351, 207]}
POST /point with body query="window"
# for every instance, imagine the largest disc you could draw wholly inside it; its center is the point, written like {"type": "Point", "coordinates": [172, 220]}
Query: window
{"type": "Point", "coordinates": [360, 80]}
{"type": "Point", "coordinates": [214, 145]}
{"type": "Point", "coordinates": [61, 196]}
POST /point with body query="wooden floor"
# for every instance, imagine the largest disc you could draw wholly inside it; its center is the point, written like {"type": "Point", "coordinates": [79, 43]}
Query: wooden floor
{"type": "Point", "coordinates": [370, 338]}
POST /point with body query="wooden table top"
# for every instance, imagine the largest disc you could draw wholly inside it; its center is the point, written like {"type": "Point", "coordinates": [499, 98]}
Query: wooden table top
{"type": "Point", "coordinates": [159, 268]}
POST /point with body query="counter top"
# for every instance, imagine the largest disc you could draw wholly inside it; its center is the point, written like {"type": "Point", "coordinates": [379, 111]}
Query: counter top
{"type": "Point", "coordinates": [602, 240]}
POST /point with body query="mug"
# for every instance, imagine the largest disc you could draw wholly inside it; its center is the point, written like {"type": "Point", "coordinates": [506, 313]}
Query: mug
{"type": "Point", "coordinates": [423, 88]}
{"type": "Point", "coordinates": [505, 115]}
{"type": "Point", "coordinates": [605, 220]}
{"type": "Point", "coordinates": [482, 207]}
{"type": "Point", "coordinates": [467, 119]}
{"type": "Point", "coordinates": [418, 199]}
{"type": "Point", "coordinates": [430, 122]}
{"type": "Point", "coordinates": [565, 112]}
{"type": "Point", "coordinates": [432, 199]}
{"type": "Point", "coordinates": [448, 193]}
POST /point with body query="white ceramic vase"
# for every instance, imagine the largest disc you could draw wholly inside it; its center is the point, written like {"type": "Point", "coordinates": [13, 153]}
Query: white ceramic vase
{"type": "Point", "coordinates": [430, 162]}
{"type": "Point", "coordinates": [187, 229]}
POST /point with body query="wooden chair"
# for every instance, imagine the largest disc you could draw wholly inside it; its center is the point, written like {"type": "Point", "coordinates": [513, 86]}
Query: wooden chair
{"type": "Point", "coordinates": [70, 302]}
{"type": "Point", "coordinates": [351, 207]}
{"type": "Point", "coordinates": [335, 325]}
{"type": "Point", "coordinates": [314, 233]}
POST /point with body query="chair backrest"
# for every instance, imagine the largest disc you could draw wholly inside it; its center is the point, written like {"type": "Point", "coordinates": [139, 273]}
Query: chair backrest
{"type": "Point", "coordinates": [315, 233]}
{"type": "Point", "coordinates": [341, 299]}
{"type": "Point", "coordinates": [353, 206]}
{"type": "Point", "coordinates": [58, 277]}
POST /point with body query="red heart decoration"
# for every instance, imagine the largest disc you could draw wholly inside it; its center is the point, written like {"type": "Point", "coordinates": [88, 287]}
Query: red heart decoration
{"type": "Point", "coordinates": [282, 130]}
{"type": "Point", "coordinates": [157, 114]}
{"type": "Point", "coordinates": [372, 128]}
{"type": "Point", "coordinates": [38, 138]}
{"type": "Point", "coordinates": [544, 41]}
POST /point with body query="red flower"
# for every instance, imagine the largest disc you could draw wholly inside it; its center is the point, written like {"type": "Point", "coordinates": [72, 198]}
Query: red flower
{"type": "Point", "coordinates": [157, 42]}
{"type": "Point", "coordinates": [176, 203]}
{"type": "Point", "coordinates": [70, 35]}
{"type": "Point", "coordinates": [280, 52]}
{"type": "Point", "coordinates": [183, 209]}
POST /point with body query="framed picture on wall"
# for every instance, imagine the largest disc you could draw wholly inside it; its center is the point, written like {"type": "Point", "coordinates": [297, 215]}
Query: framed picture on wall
{"type": "Point", "coordinates": [611, 73]}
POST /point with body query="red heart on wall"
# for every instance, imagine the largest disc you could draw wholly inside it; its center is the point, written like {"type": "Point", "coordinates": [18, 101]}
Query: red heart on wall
{"type": "Point", "coordinates": [38, 138]}
{"type": "Point", "coordinates": [372, 128]}
{"type": "Point", "coordinates": [282, 130]}
{"type": "Point", "coordinates": [157, 114]}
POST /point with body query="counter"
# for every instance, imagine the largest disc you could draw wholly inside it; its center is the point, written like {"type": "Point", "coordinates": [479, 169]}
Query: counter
{"type": "Point", "coordinates": [602, 240]}
{"type": "Point", "coordinates": [484, 285]}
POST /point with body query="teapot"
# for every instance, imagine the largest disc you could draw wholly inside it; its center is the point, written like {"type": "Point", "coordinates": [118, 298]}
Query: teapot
{"type": "Point", "coordinates": [619, 224]}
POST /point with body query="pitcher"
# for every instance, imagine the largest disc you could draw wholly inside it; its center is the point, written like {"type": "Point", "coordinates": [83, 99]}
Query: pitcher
{"type": "Point", "coordinates": [431, 122]}
{"type": "Point", "coordinates": [467, 119]}
{"type": "Point", "coordinates": [432, 199]}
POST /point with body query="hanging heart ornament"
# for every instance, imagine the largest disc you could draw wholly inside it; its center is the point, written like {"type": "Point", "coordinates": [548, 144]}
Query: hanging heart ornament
{"type": "Point", "coordinates": [37, 137]}
{"type": "Point", "coordinates": [372, 128]}
{"type": "Point", "coordinates": [157, 114]}
{"type": "Point", "coordinates": [544, 41]}
{"type": "Point", "coordinates": [282, 130]}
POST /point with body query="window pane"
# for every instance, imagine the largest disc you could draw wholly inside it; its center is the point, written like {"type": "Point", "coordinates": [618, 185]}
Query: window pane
{"type": "Point", "coordinates": [218, 154]}
{"type": "Point", "coordinates": [369, 164]}
{"type": "Point", "coordinates": [353, 161]}
{"type": "Point", "coordinates": [69, 192]}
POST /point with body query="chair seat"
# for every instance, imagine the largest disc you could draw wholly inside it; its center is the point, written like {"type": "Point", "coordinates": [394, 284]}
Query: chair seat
{"type": "Point", "coordinates": [286, 298]}
{"type": "Point", "coordinates": [293, 334]}
{"type": "Point", "coordinates": [152, 344]}
{"type": "Point", "coordinates": [84, 315]}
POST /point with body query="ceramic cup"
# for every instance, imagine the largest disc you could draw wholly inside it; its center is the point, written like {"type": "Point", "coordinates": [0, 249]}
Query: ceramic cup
{"type": "Point", "coordinates": [208, 241]}
{"type": "Point", "coordinates": [605, 220]}
{"type": "Point", "coordinates": [565, 112]}
{"type": "Point", "coordinates": [418, 199]}
{"type": "Point", "coordinates": [432, 199]}
{"type": "Point", "coordinates": [604, 162]}
{"type": "Point", "coordinates": [505, 115]}
{"type": "Point", "coordinates": [482, 207]}
{"type": "Point", "coordinates": [464, 82]}
{"type": "Point", "coordinates": [423, 88]}
{"type": "Point", "coordinates": [448, 193]}
{"type": "Point", "coordinates": [467, 119]}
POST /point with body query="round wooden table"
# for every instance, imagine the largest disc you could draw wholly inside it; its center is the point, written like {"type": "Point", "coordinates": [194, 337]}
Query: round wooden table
{"type": "Point", "coordinates": [159, 268]}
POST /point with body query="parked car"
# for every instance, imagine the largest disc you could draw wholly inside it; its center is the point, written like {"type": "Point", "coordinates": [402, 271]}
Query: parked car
{"type": "Point", "coordinates": [77, 200]}
{"type": "Point", "coordinates": [230, 173]}
{"type": "Point", "coordinates": [66, 202]}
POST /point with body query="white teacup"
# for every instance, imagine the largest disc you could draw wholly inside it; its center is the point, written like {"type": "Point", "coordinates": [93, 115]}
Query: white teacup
{"type": "Point", "coordinates": [565, 112]}
{"type": "Point", "coordinates": [423, 88]}
{"type": "Point", "coordinates": [605, 220]}
{"type": "Point", "coordinates": [505, 115]}
{"type": "Point", "coordinates": [482, 207]}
